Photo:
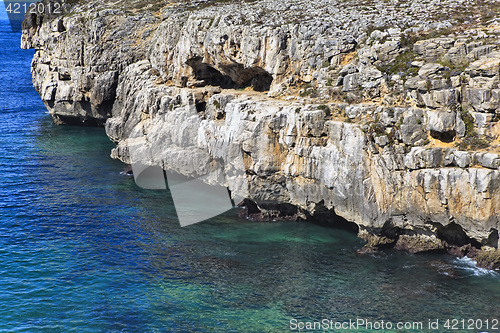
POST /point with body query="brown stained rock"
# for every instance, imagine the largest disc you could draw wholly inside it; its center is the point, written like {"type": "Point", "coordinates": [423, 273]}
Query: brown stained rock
{"type": "Point", "coordinates": [374, 243]}
{"type": "Point", "coordinates": [459, 251]}
{"type": "Point", "coordinates": [444, 268]}
{"type": "Point", "coordinates": [486, 258]}
{"type": "Point", "coordinates": [419, 244]}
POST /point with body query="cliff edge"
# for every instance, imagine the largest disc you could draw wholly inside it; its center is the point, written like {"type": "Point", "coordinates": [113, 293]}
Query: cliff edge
{"type": "Point", "coordinates": [384, 114]}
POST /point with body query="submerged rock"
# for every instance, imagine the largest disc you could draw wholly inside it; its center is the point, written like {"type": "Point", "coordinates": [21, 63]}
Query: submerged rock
{"type": "Point", "coordinates": [488, 258]}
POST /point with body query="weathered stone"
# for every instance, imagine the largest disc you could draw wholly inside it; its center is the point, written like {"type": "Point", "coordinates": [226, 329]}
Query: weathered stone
{"type": "Point", "coordinates": [435, 99]}
{"type": "Point", "coordinates": [486, 66]}
{"type": "Point", "coordinates": [387, 49]}
{"type": "Point", "coordinates": [440, 121]}
{"type": "Point", "coordinates": [457, 54]}
{"type": "Point", "coordinates": [195, 87]}
{"type": "Point", "coordinates": [348, 69]}
{"type": "Point", "coordinates": [480, 51]}
{"type": "Point", "coordinates": [429, 69]}
{"type": "Point", "coordinates": [377, 34]}
{"type": "Point", "coordinates": [433, 48]}
{"type": "Point", "coordinates": [382, 141]}
{"type": "Point", "coordinates": [419, 244]}
{"type": "Point", "coordinates": [417, 83]}
{"type": "Point", "coordinates": [483, 121]}
{"type": "Point", "coordinates": [491, 161]}
{"type": "Point", "coordinates": [417, 63]}
{"type": "Point", "coordinates": [351, 82]}
{"type": "Point", "coordinates": [462, 158]}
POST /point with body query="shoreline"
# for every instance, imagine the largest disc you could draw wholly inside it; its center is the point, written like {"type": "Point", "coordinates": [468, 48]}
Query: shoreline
{"type": "Point", "coordinates": [388, 127]}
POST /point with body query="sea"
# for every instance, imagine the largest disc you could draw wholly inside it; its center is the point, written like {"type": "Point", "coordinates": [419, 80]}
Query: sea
{"type": "Point", "coordinates": [83, 249]}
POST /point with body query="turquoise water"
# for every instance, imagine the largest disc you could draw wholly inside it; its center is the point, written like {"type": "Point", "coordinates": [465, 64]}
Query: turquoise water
{"type": "Point", "coordinates": [83, 249]}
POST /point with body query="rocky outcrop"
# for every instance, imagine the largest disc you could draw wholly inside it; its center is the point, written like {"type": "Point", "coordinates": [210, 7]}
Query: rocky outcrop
{"type": "Point", "coordinates": [334, 113]}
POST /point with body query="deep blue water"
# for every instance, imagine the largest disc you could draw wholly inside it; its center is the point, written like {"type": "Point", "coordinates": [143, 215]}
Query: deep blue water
{"type": "Point", "coordinates": [83, 249]}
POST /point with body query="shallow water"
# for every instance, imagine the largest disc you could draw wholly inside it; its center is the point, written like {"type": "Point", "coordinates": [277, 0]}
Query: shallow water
{"type": "Point", "coordinates": [83, 249]}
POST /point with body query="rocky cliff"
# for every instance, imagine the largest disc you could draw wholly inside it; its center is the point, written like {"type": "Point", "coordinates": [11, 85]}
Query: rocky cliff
{"type": "Point", "coordinates": [384, 114]}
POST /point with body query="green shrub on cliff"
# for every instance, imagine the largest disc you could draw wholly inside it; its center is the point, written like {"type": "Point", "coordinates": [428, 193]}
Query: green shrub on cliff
{"type": "Point", "coordinates": [455, 66]}
{"type": "Point", "coordinates": [471, 140]}
{"type": "Point", "coordinates": [401, 64]}
{"type": "Point", "coordinates": [326, 109]}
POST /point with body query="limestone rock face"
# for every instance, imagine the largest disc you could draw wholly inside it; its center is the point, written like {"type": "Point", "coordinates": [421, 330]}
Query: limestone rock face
{"type": "Point", "coordinates": [328, 115]}
{"type": "Point", "coordinates": [308, 160]}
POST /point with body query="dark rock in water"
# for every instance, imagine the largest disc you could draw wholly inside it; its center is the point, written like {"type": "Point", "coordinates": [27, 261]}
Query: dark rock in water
{"type": "Point", "coordinates": [459, 251]}
{"type": "Point", "coordinates": [444, 268]}
{"type": "Point", "coordinates": [485, 257]}
{"type": "Point", "coordinates": [375, 243]}
{"type": "Point", "coordinates": [419, 244]}
{"type": "Point", "coordinates": [421, 241]}
{"type": "Point", "coordinates": [268, 212]}
{"type": "Point", "coordinates": [488, 258]}
{"type": "Point", "coordinates": [411, 289]}
{"type": "Point", "coordinates": [367, 250]}
{"type": "Point", "coordinates": [128, 171]}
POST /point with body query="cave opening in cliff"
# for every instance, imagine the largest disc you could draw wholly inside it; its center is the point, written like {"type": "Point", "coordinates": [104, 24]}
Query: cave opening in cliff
{"type": "Point", "coordinates": [454, 234]}
{"type": "Point", "coordinates": [268, 210]}
{"type": "Point", "coordinates": [255, 77]}
{"type": "Point", "coordinates": [233, 76]}
{"type": "Point", "coordinates": [446, 137]}
{"type": "Point", "coordinates": [327, 217]}
{"type": "Point", "coordinates": [201, 106]}
{"type": "Point", "coordinates": [493, 238]}
{"type": "Point", "coordinates": [207, 75]}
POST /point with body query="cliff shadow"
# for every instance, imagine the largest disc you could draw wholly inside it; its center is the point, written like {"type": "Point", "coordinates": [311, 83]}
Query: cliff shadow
{"type": "Point", "coordinates": [273, 211]}
{"type": "Point", "coordinates": [328, 218]}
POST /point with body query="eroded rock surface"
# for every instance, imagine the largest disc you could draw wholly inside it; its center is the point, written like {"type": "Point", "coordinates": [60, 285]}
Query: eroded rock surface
{"type": "Point", "coordinates": [385, 115]}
